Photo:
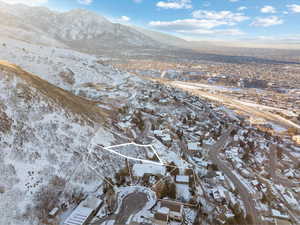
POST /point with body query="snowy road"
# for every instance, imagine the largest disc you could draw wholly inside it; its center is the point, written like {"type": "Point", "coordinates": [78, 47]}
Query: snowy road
{"type": "Point", "coordinates": [243, 191]}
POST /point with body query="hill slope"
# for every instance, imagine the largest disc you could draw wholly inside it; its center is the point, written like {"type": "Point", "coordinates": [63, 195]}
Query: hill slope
{"type": "Point", "coordinates": [44, 136]}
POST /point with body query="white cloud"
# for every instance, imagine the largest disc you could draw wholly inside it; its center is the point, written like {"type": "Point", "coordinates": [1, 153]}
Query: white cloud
{"type": "Point", "coordinates": [232, 32]}
{"type": "Point", "coordinates": [267, 21]}
{"type": "Point", "coordinates": [242, 8]}
{"type": "Point", "coordinates": [175, 4]}
{"type": "Point", "coordinates": [233, 0]}
{"type": "Point", "coordinates": [26, 2]}
{"type": "Point", "coordinates": [294, 8]}
{"type": "Point", "coordinates": [122, 19]}
{"type": "Point", "coordinates": [125, 18]}
{"type": "Point", "coordinates": [204, 22]}
{"type": "Point", "coordinates": [85, 2]}
{"type": "Point", "coordinates": [196, 27]}
{"type": "Point", "coordinates": [187, 24]}
{"type": "Point", "coordinates": [268, 9]}
{"type": "Point", "coordinates": [226, 16]}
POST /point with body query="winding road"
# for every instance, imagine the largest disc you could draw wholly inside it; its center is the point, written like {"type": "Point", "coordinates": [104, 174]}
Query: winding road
{"type": "Point", "coordinates": [214, 151]}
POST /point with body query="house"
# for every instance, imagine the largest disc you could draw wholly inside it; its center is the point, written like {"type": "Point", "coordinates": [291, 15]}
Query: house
{"type": "Point", "coordinates": [182, 179]}
{"type": "Point", "coordinates": [296, 139]}
{"type": "Point", "coordinates": [176, 209]}
{"type": "Point", "coordinates": [163, 136]}
{"type": "Point", "coordinates": [182, 188]}
{"type": "Point", "coordinates": [139, 170]}
{"type": "Point", "coordinates": [161, 217]}
{"type": "Point", "coordinates": [85, 211]}
{"type": "Point", "coordinates": [216, 195]}
{"type": "Point", "coordinates": [279, 215]}
{"type": "Point", "coordinates": [80, 216]}
{"type": "Point", "coordinates": [194, 148]}
{"type": "Point", "coordinates": [53, 213]}
{"type": "Point", "coordinates": [257, 121]}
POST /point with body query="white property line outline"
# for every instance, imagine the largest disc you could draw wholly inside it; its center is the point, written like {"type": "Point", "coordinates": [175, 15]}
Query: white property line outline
{"type": "Point", "coordinates": [133, 158]}
{"type": "Point", "coordinates": [109, 149]}
{"type": "Point", "coordinates": [162, 163]}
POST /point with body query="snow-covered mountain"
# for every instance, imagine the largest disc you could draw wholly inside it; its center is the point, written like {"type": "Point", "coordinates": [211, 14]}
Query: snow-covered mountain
{"type": "Point", "coordinates": [79, 29]}
{"type": "Point", "coordinates": [15, 27]}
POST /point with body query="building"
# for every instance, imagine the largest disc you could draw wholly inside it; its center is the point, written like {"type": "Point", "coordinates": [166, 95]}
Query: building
{"type": "Point", "coordinates": [161, 217]}
{"type": "Point", "coordinates": [182, 188]}
{"type": "Point", "coordinates": [85, 211]}
{"type": "Point", "coordinates": [296, 139]}
{"type": "Point", "coordinates": [139, 170]}
{"type": "Point", "coordinates": [194, 148]}
{"type": "Point", "coordinates": [182, 179]}
{"type": "Point", "coordinates": [257, 121]}
{"type": "Point", "coordinates": [279, 215]}
{"type": "Point", "coordinates": [176, 209]}
{"type": "Point", "coordinates": [53, 213]}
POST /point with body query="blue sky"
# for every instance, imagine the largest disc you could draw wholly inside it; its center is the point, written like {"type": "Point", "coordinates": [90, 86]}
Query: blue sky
{"type": "Point", "coordinates": [198, 19]}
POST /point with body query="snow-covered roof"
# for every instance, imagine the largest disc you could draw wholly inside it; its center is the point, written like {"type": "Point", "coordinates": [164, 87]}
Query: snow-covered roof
{"type": "Point", "coordinates": [193, 146]}
{"type": "Point", "coordinates": [163, 210]}
{"type": "Point", "coordinates": [140, 169]}
{"type": "Point", "coordinates": [183, 192]}
{"type": "Point", "coordinates": [79, 216]}
{"type": "Point", "coordinates": [54, 211]}
{"type": "Point", "coordinates": [91, 202]}
{"type": "Point", "coordinates": [182, 179]}
{"type": "Point", "coordinates": [277, 213]}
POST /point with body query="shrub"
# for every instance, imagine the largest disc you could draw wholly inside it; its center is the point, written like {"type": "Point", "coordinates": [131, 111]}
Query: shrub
{"type": "Point", "coordinates": [2, 189]}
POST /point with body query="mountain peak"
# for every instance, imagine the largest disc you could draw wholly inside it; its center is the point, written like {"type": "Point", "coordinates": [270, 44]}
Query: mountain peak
{"type": "Point", "coordinates": [87, 14]}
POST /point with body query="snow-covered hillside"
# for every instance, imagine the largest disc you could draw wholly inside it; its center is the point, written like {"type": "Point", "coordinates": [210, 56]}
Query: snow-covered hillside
{"type": "Point", "coordinates": [43, 138]}
{"type": "Point", "coordinates": [46, 128]}
{"type": "Point", "coordinates": [64, 68]}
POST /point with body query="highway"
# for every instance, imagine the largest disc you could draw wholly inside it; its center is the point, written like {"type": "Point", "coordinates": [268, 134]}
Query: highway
{"type": "Point", "coordinates": [246, 107]}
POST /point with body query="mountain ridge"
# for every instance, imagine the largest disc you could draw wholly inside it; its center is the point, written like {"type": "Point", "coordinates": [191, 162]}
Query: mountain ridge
{"type": "Point", "coordinates": [78, 29]}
